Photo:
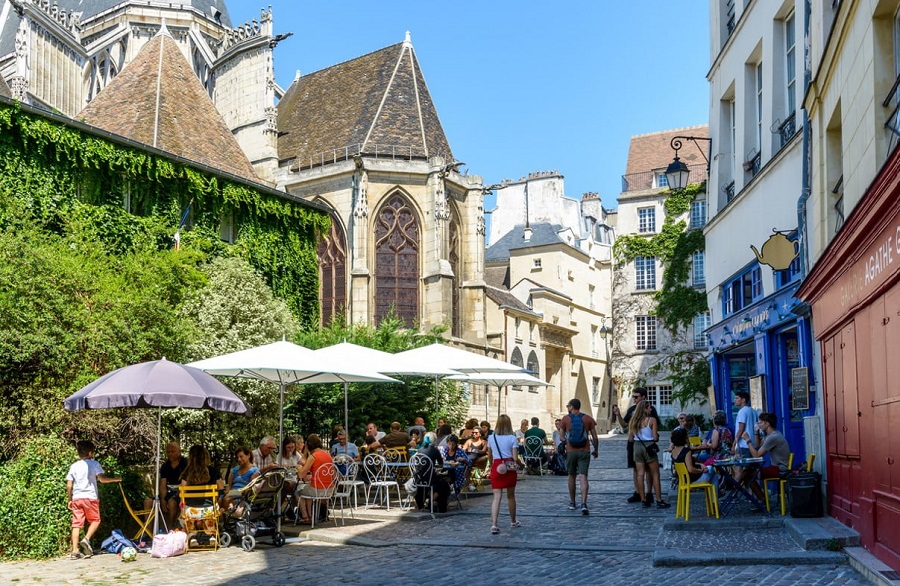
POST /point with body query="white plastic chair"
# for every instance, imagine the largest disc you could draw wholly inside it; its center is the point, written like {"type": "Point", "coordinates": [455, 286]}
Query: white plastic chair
{"type": "Point", "coordinates": [380, 479]}
{"type": "Point", "coordinates": [326, 475]}
{"type": "Point", "coordinates": [534, 452]}
{"type": "Point", "coordinates": [421, 471]}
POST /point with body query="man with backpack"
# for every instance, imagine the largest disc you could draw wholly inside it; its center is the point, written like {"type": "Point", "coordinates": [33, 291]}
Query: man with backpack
{"type": "Point", "coordinates": [575, 428]}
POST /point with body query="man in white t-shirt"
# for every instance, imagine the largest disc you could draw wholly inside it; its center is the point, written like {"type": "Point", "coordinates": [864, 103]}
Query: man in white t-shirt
{"type": "Point", "coordinates": [372, 430]}
{"type": "Point", "coordinates": [84, 500]}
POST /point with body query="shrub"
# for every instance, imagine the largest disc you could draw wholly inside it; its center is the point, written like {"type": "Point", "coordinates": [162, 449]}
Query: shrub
{"type": "Point", "coordinates": [36, 522]}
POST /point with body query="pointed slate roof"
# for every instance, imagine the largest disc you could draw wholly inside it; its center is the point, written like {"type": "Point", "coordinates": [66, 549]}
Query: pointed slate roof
{"type": "Point", "coordinates": [374, 102]}
{"type": "Point", "coordinates": [4, 89]}
{"type": "Point", "coordinates": [157, 100]}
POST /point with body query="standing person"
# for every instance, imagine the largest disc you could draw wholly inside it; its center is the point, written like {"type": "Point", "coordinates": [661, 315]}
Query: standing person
{"type": "Point", "coordinates": [643, 431]}
{"type": "Point", "coordinates": [84, 500]}
{"type": "Point", "coordinates": [746, 422]}
{"type": "Point", "coordinates": [575, 428]}
{"type": "Point", "coordinates": [502, 447]}
{"type": "Point", "coordinates": [637, 395]}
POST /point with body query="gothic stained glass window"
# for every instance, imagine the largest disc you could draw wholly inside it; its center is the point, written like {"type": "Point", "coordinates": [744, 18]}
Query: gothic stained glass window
{"type": "Point", "coordinates": [333, 272]}
{"type": "Point", "coordinates": [456, 266]}
{"type": "Point", "coordinates": [397, 261]}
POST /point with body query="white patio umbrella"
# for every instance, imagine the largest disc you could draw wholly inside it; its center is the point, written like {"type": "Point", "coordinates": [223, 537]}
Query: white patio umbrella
{"type": "Point", "coordinates": [441, 355]}
{"type": "Point", "coordinates": [499, 380]}
{"type": "Point", "coordinates": [286, 363]}
{"type": "Point", "coordinates": [382, 362]}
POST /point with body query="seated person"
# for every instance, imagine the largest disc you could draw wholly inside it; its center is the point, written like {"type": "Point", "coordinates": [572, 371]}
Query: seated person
{"type": "Point", "coordinates": [520, 433]}
{"type": "Point", "coordinates": [316, 483]}
{"type": "Point", "coordinates": [241, 475]}
{"type": "Point", "coordinates": [289, 459]}
{"type": "Point", "coordinates": [466, 432]}
{"type": "Point", "coordinates": [264, 455]}
{"type": "Point", "coordinates": [443, 432]}
{"type": "Point", "coordinates": [372, 430]}
{"type": "Point", "coordinates": [199, 472]}
{"type": "Point", "coordinates": [558, 438]}
{"type": "Point", "coordinates": [169, 479]}
{"type": "Point", "coordinates": [418, 425]}
{"type": "Point", "coordinates": [457, 459]}
{"type": "Point", "coordinates": [690, 424]}
{"type": "Point", "coordinates": [774, 445]}
{"type": "Point", "coordinates": [718, 441]}
{"type": "Point", "coordinates": [334, 435]}
{"type": "Point", "coordinates": [415, 439]}
{"type": "Point", "coordinates": [476, 449]}
{"type": "Point", "coordinates": [438, 481]}
{"type": "Point", "coordinates": [397, 438]}
{"type": "Point", "coordinates": [681, 453]}
{"type": "Point", "coordinates": [528, 449]}
{"type": "Point", "coordinates": [343, 451]}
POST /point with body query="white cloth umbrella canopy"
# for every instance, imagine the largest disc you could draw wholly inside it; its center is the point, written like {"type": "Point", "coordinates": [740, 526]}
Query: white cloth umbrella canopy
{"type": "Point", "coordinates": [445, 356]}
{"type": "Point", "coordinates": [379, 361]}
{"type": "Point", "coordinates": [499, 380]}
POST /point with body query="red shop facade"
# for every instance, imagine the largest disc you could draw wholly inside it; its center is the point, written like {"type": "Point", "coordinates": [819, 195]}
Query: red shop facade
{"type": "Point", "coordinates": [854, 290]}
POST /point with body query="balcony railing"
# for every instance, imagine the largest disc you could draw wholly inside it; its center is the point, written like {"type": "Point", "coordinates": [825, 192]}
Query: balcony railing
{"type": "Point", "coordinates": [754, 165]}
{"type": "Point", "coordinates": [379, 151]}
{"type": "Point", "coordinates": [788, 129]}
{"type": "Point", "coordinates": [728, 190]}
{"type": "Point", "coordinates": [648, 179]}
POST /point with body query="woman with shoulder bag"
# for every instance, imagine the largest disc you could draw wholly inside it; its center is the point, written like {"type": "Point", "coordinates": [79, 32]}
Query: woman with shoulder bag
{"type": "Point", "coordinates": [502, 447]}
{"type": "Point", "coordinates": [642, 430]}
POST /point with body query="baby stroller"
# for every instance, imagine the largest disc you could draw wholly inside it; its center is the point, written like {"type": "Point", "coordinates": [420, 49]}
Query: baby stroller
{"type": "Point", "coordinates": [254, 513]}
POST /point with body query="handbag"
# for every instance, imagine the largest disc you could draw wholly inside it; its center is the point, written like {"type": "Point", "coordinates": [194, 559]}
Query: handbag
{"type": "Point", "coordinates": [166, 545]}
{"type": "Point", "coordinates": [652, 449]}
{"type": "Point", "coordinates": [503, 467]}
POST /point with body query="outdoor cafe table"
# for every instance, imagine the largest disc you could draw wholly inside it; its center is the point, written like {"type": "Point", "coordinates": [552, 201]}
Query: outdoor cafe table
{"type": "Point", "coordinates": [738, 490]}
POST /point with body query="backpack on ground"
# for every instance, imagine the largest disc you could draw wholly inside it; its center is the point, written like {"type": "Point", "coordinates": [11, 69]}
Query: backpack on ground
{"type": "Point", "coordinates": [557, 463]}
{"type": "Point", "coordinates": [117, 541]}
{"type": "Point", "coordinates": [576, 435]}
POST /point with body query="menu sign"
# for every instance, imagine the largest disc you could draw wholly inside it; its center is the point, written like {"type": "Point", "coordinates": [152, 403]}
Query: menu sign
{"type": "Point", "coordinates": [799, 389]}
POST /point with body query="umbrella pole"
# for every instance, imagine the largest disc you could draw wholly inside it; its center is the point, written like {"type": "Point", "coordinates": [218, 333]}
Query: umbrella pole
{"type": "Point", "coordinates": [156, 508]}
{"type": "Point", "coordinates": [499, 398]}
{"type": "Point", "coordinates": [436, 396]}
{"type": "Point", "coordinates": [280, 449]}
{"type": "Point", "coordinates": [487, 395]}
{"type": "Point", "coordinates": [346, 417]}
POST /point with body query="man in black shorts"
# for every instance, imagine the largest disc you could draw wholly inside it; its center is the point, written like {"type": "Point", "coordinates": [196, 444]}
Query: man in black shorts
{"type": "Point", "coordinates": [637, 395]}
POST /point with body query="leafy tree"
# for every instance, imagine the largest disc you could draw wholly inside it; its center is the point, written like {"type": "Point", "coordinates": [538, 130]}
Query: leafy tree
{"type": "Point", "coordinates": [316, 408]}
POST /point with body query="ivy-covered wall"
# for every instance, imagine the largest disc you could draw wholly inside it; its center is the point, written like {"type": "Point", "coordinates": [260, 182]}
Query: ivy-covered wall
{"type": "Point", "coordinates": [54, 174]}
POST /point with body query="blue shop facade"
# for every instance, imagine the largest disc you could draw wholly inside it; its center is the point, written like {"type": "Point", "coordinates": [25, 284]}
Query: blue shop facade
{"type": "Point", "coordinates": [766, 350]}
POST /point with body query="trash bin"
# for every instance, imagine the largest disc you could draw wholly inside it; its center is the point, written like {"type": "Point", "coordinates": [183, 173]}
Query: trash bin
{"type": "Point", "coordinates": [806, 494]}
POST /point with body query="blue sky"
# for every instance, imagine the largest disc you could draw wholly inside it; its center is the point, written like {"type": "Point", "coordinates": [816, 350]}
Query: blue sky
{"type": "Point", "coordinates": [524, 86]}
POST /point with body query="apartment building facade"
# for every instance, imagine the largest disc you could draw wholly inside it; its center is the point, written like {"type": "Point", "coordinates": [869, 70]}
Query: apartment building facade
{"type": "Point", "coordinates": [761, 335]}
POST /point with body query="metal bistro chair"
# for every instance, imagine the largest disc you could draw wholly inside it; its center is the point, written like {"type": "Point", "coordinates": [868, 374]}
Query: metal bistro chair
{"type": "Point", "coordinates": [683, 504]}
{"type": "Point", "coordinates": [694, 441]}
{"type": "Point", "coordinates": [327, 477]}
{"type": "Point", "coordinates": [782, 482]}
{"type": "Point", "coordinates": [350, 482]}
{"type": "Point", "coordinates": [421, 471]}
{"type": "Point", "coordinates": [534, 453]}
{"type": "Point", "coordinates": [397, 458]}
{"type": "Point", "coordinates": [380, 479]}
{"type": "Point", "coordinates": [143, 517]}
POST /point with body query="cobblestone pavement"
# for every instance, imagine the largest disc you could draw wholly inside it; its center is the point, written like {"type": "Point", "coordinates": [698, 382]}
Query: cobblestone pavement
{"type": "Point", "coordinates": [614, 545]}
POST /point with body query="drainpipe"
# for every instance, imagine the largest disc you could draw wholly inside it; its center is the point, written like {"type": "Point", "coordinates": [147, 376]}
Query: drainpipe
{"type": "Point", "coordinates": [806, 180]}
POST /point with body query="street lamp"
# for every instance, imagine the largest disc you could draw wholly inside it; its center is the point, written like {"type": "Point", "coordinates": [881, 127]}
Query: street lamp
{"type": "Point", "coordinates": [677, 173]}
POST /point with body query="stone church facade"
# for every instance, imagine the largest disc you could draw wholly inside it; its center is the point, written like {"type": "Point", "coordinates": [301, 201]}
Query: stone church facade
{"type": "Point", "coordinates": [361, 138]}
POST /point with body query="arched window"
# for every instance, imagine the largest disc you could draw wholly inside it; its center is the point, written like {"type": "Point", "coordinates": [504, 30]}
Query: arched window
{"type": "Point", "coordinates": [516, 358]}
{"type": "Point", "coordinates": [333, 271]}
{"type": "Point", "coordinates": [397, 261]}
{"type": "Point", "coordinates": [456, 267]}
{"type": "Point", "coordinates": [533, 365]}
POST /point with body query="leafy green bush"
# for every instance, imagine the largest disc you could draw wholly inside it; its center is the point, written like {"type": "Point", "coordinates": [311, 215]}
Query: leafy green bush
{"type": "Point", "coordinates": [35, 521]}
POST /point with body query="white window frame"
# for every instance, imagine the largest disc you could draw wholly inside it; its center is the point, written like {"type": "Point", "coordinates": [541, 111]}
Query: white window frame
{"type": "Point", "coordinates": [790, 69]}
{"type": "Point", "coordinates": [732, 114]}
{"type": "Point", "coordinates": [645, 329]}
{"type": "Point", "coordinates": [647, 220]}
{"type": "Point", "coordinates": [701, 322]}
{"type": "Point", "coordinates": [698, 213]}
{"type": "Point", "coordinates": [698, 269]}
{"type": "Point", "coordinates": [660, 179]}
{"type": "Point", "coordinates": [759, 107]}
{"type": "Point", "coordinates": [645, 273]}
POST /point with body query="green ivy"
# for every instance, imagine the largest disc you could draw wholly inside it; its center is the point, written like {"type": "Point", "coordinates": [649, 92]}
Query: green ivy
{"type": "Point", "coordinates": [68, 180]}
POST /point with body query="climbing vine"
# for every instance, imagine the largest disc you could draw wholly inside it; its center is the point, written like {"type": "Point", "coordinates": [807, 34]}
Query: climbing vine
{"type": "Point", "coordinates": [677, 303]}
{"type": "Point", "coordinates": [60, 176]}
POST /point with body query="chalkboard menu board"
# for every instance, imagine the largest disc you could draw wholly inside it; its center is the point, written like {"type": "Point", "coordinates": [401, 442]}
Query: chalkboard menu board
{"type": "Point", "coordinates": [799, 389]}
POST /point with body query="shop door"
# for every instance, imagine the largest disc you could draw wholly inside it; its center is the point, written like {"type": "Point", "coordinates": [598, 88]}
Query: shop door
{"type": "Point", "coordinates": [786, 358]}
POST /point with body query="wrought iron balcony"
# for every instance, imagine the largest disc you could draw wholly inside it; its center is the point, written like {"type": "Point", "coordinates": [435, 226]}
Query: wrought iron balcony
{"type": "Point", "coordinates": [728, 190]}
{"type": "Point", "coordinates": [788, 128]}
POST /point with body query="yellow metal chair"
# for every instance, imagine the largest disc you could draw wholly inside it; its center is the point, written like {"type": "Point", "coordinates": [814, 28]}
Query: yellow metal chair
{"type": "Point", "coordinates": [200, 514]}
{"type": "Point", "coordinates": [809, 462]}
{"type": "Point", "coordinates": [143, 517]}
{"type": "Point", "coordinates": [694, 441]}
{"type": "Point", "coordinates": [782, 482]}
{"type": "Point", "coordinates": [683, 504]}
